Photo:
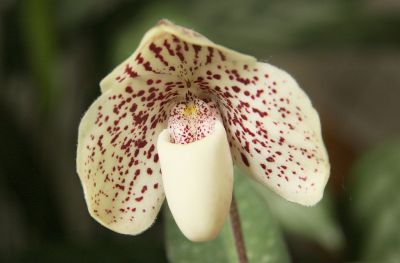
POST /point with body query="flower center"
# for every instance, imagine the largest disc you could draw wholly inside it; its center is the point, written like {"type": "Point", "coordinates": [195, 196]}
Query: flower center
{"type": "Point", "coordinates": [191, 121]}
{"type": "Point", "coordinates": [190, 111]}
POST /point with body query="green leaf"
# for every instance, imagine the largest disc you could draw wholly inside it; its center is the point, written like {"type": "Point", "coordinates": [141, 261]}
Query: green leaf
{"type": "Point", "coordinates": [262, 237]}
{"type": "Point", "coordinates": [375, 199]}
{"type": "Point", "coordinates": [261, 233]}
{"type": "Point", "coordinates": [180, 249]}
{"type": "Point", "coordinates": [316, 223]}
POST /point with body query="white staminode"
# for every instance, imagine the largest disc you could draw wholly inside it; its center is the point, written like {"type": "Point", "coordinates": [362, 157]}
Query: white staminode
{"type": "Point", "coordinates": [198, 180]}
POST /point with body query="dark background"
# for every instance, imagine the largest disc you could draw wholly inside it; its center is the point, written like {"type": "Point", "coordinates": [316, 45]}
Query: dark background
{"type": "Point", "coordinates": [345, 54]}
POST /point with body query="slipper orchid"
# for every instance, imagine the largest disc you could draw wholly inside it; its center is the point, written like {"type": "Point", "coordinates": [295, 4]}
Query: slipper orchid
{"type": "Point", "coordinates": [173, 119]}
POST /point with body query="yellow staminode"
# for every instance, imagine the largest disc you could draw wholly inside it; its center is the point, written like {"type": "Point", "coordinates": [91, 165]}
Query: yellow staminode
{"type": "Point", "coordinates": [190, 110]}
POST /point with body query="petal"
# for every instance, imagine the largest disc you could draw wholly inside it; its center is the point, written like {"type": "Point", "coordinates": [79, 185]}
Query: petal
{"type": "Point", "coordinates": [273, 129]}
{"type": "Point", "coordinates": [169, 49]}
{"type": "Point", "coordinates": [198, 181]}
{"type": "Point", "coordinates": [117, 160]}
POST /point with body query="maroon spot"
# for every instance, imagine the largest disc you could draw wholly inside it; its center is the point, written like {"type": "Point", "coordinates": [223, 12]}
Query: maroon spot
{"type": "Point", "coordinates": [129, 89]}
{"type": "Point", "coordinates": [222, 55]}
{"type": "Point", "coordinates": [120, 187]}
{"type": "Point", "coordinates": [244, 159]}
{"type": "Point", "coordinates": [157, 52]}
{"type": "Point", "coordinates": [270, 159]}
{"type": "Point", "coordinates": [210, 55]}
{"type": "Point", "coordinates": [137, 172]}
{"type": "Point", "coordinates": [217, 76]}
{"type": "Point", "coordinates": [236, 89]}
{"type": "Point", "coordinates": [130, 72]}
{"type": "Point", "coordinates": [141, 143]}
{"type": "Point", "coordinates": [133, 107]}
{"type": "Point", "coordinates": [115, 137]}
{"type": "Point", "coordinates": [261, 113]}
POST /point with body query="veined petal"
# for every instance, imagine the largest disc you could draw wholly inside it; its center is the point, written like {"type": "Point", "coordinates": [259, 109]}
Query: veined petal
{"type": "Point", "coordinates": [170, 49]}
{"type": "Point", "coordinates": [273, 129]}
{"type": "Point", "coordinates": [117, 159]}
{"type": "Point", "coordinates": [198, 181]}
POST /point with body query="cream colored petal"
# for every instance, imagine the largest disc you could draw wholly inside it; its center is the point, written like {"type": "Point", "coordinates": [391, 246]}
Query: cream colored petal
{"type": "Point", "coordinates": [170, 49]}
{"type": "Point", "coordinates": [117, 159]}
{"type": "Point", "coordinates": [273, 128]}
{"type": "Point", "coordinates": [198, 181]}
{"type": "Point", "coordinates": [271, 124]}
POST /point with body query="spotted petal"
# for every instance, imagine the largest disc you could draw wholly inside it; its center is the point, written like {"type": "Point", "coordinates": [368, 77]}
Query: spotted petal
{"type": "Point", "coordinates": [274, 130]}
{"type": "Point", "coordinates": [117, 160]}
{"type": "Point", "coordinates": [119, 131]}
{"type": "Point", "coordinates": [170, 49]}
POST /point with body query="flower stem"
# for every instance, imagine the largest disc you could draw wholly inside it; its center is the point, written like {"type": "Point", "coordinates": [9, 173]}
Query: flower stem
{"type": "Point", "coordinates": [237, 232]}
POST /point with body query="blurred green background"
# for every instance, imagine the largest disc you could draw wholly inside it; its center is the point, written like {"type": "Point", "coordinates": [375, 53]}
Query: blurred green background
{"type": "Point", "coordinates": [344, 53]}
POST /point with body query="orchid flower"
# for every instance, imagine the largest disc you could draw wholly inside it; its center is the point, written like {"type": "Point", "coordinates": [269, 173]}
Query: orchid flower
{"type": "Point", "coordinates": [174, 118]}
